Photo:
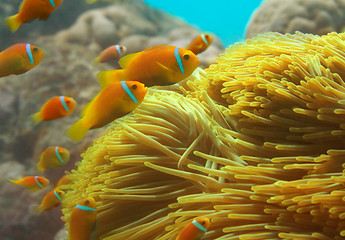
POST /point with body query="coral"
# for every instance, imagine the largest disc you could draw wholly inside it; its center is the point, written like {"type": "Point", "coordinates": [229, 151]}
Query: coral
{"type": "Point", "coordinates": [307, 16]}
{"type": "Point", "coordinates": [136, 26]}
{"type": "Point", "coordinates": [256, 144]}
{"type": "Point", "coordinates": [62, 18]}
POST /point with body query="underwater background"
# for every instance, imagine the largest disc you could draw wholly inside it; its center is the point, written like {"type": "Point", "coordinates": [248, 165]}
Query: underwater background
{"type": "Point", "coordinates": [75, 34]}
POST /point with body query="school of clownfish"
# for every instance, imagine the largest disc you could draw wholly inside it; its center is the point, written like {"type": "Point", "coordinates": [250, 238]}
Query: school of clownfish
{"type": "Point", "coordinates": [122, 91]}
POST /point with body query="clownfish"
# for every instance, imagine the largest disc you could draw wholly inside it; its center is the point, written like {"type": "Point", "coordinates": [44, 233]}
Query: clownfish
{"type": "Point", "coordinates": [159, 65]}
{"type": "Point", "coordinates": [30, 10]}
{"type": "Point", "coordinates": [111, 53]}
{"type": "Point", "coordinates": [200, 43]}
{"type": "Point", "coordinates": [83, 220]}
{"type": "Point", "coordinates": [51, 199]}
{"type": "Point", "coordinates": [19, 58]}
{"type": "Point", "coordinates": [114, 101]}
{"type": "Point", "coordinates": [32, 183]}
{"type": "Point", "coordinates": [195, 229]}
{"type": "Point", "coordinates": [64, 180]}
{"type": "Point", "coordinates": [56, 107]}
{"type": "Point", "coordinates": [53, 157]}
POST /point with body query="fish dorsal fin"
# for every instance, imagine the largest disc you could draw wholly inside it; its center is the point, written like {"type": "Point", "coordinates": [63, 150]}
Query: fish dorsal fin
{"type": "Point", "coordinates": [124, 61]}
{"type": "Point", "coordinates": [86, 108]}
{"type": "Point", "coordinates": [21, 6]}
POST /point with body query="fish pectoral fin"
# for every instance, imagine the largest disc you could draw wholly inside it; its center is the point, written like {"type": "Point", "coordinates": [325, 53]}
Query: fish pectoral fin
{"type": "Point", "coordinates": [164, 67]}
{"type": "Point", "coordinates": [125, 60]}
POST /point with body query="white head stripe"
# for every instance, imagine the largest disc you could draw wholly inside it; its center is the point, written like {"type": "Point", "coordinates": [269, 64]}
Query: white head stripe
{"type": "Point", "coordinates": [118, 49]}
{"type": "Point", "coordinates": [28, 51]}
{"type": "Point", "coordinates": [198, 225]}
{"type": "Point", "coordinates": [85, 208]}
{"type": "Point", "coordinates": [128, 91]}
{"type": "Point", "coordinates": [57, 196]}
{"type": "Point", "coordinates": [62, 100]}
{"type": "Point", "coordinates": [38, 183]}
{"type": "Point", "coordinates": [204, 38]}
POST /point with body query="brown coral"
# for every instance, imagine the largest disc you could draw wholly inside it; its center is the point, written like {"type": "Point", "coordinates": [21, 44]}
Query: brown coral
{"type": "Point", "coordinates": [307, 16]}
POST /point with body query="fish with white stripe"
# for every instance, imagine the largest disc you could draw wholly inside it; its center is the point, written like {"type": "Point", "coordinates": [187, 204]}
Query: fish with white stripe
{"type": "Point", "coordinates": [156, 66]}
{"type": "Point", "coordinates": [19, 58]}
{"type": "Point", "coordinates": [53, 157]}
{"type": "Point", "coordinates": [114, 101]}
{"type": "Point", "coordinates": [83, 220]}
{"type": "Point", "coordinates": [54, 108]}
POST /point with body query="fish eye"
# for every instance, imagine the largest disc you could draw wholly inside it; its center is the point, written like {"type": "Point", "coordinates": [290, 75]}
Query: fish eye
{"type": "Point", "coordinates": [186, 56]}
{"type": "Point", "coordinates": [134, 87]}
{"type": "Point", "coordinates": [35, 49]}
{"type": "Point", "coordinates": [203, 223]}
{"type": "Point", "coordinates": [87, 202]}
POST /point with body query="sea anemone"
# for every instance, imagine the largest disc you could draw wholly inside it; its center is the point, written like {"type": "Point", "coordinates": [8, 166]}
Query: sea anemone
{"type": "Point", "coordinates": [255, 143]}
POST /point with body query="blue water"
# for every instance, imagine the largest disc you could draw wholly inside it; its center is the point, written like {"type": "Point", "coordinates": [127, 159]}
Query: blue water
{"type": "Point", "coordinates": [226, 18]}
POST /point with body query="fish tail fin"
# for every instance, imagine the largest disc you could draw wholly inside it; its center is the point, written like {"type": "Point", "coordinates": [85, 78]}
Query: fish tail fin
{"type": "Point", "coordinates": [77, 131]}
{"type": "Point", "coordinates": [35, 209]}
{"type": "Point", "coordinates": [95, 61]}
{"type": "Point", "coordinates": [107, 77]}
{"type": "Point", "coordinates": [36, 118]}
{"type": "Point", "coordinates": [13, 23]}
{"type": "Point", "coordinates": [39, 167]}
{"type": "Point", "coordinates": [14, 181]}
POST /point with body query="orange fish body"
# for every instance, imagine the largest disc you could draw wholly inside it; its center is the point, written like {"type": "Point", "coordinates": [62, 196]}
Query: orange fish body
{"type": "Point", "coordinates": [111, 53]}
{"type": "Point", "coordinates": [64, 180]}
{"type": "Point", "coordinates": [32, 183]}
{"type": "Point", "coordinates": [200, 43]}
{"type": "Point", "coordinates": [19, 58]}
{"type": "Point", "coordinates": [30, 10]}
{"type": "Point", "coordinates": [159, 65]}
{"type": "Point", "coordinates": [114, 101]}
{"type": "Point", "coordinates": [56, 107]}
{"type": "Point", "coordinates": [83, 220]}
{"type": "Point", "coordinates": [194, 230]}
{"type": "Point", "coordinates": [51, 200]}
{"type": "Point", "coordinates": [53, 157]}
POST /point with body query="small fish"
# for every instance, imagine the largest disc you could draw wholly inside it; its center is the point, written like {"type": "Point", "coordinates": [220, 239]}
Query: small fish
{"type": "Point", "coordinates": [83, 220]}
{"type": "Point", "coordinates": [114, 101]}
{"type": "Point", "coordinates": [32, 183]}
{"type": "Point", "coordinates": [56, 107]}
{"type": "Point", "coordinates": [200, 43]}
{"type": "Point", "coordinates": [19, 58]}
{"type": "Point", "coordinates": [194, 230]}
{"type": "Point", "coordinates": [111, 53]}
{"type": "Point", "coordinates": [30, 10]}
{"type": "Point", "coordinates": [50, 200]}
{"type": "Point", "coordinates": [159, 65]}
{"type": "Point", "coordinates": [53, 157]}
{"type": "Point", "coordinates": [64, 180]}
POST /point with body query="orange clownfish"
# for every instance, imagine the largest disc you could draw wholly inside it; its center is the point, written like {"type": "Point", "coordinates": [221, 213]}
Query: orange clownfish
{"type": "Point", "coordinates": [83, 220]}
{"type": "Point", "coordinates": [30, 10]}
{"type": "Point", "coordinates": [200, 43]}
{"type": "Point", "coordinates": [32, 183]}
{"type": "Point", "coordinates": [195, 229]}
{"type": "Point", "coordinates": [50, 200]}
{"type": "Point", "coordinates": [114, 101]}
{"type": "Point", "coordinates": [111, 53]}
{"type": "Point", "coordinates": [19, 58]}
{"type": "Point", "coordinates": [53, 157]}
{"type": "Point", "coordinates": [56, 107]}
{"type": "Point", "coordinates": [64, 180]}
{"type": "Point", "coordinates": [159, 65]}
